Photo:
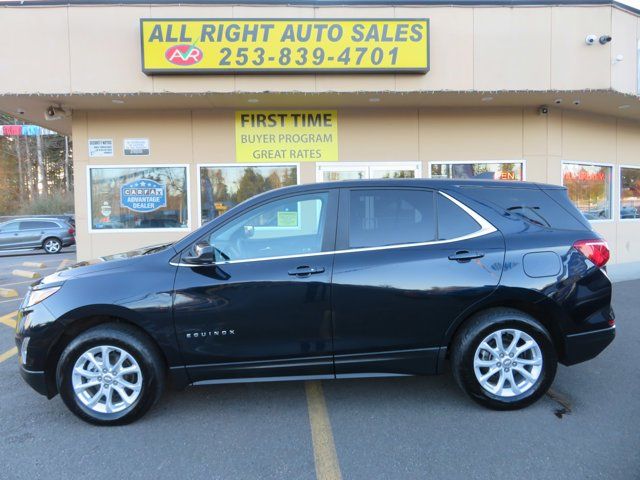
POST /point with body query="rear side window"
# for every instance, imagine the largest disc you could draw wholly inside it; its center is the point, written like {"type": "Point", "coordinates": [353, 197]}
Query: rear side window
{"type": "Point", "coordinates": [531, 205]}
{"type": "Point", "coordinates": [453, 222]}
{"type": "Point", "coordinates": [380, 217]}
{"type": "Point", "coordinates": [36, 225]}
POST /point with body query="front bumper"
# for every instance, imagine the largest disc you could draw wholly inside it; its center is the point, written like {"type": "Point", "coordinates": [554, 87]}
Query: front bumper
{"type": "Point", "coordinates": [36, 380]}
{"type": "Point", "coordinates": [581, 347]}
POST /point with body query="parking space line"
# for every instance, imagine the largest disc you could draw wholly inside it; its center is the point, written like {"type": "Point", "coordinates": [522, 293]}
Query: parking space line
{"type": "Point", "coordinates": [12, 300]}
{"type": "Point", "coordinates": [324, 449]}
{"type": "Point", "coordinates": [8, 354]}
{"type": "Point", "coordinates": [16, 283]}
{"type": "Point", "coordinates": [9, 319]}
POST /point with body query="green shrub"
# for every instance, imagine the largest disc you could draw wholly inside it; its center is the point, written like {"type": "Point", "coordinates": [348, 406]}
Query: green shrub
{"type": "Point", "coordinates": [54, 204]}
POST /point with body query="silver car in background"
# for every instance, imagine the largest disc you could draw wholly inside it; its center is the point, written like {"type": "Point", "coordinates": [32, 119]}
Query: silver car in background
{"type": "Point", "coordinates": [50, 234]}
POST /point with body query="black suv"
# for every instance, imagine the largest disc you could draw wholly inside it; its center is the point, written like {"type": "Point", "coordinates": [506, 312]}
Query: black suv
{"type": "Point", "coordinates": [334, 280]}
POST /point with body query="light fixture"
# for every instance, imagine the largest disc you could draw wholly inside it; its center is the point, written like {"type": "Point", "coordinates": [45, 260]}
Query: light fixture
{"type": "Point", "coordinates": [253, 100]}
{"type": "Point", "coordinates": [576, 102]}
{"type": "Point", "coordinates": [624, 107]}
{"type": "Point", "coordinates": [486, 99]}
{"type": "Point", "coordinates": [117, 100]}
{"type": "Point", "coordinates": [20, 111]}
{"type": "Point", "coordinates": [557, 101]}
{"type": "Point", "coordinates": [374, 100]}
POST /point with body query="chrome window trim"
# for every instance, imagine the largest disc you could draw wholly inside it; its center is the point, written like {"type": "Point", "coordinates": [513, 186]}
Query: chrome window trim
{"type": "Point", "coordinates": [485, 229]}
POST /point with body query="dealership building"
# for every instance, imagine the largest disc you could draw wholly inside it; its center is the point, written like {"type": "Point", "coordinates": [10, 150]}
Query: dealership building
{"type": "Point", "coordinates": [179, 112]}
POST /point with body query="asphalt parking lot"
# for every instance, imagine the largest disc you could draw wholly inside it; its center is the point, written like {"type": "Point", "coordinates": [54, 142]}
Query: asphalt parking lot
{"type": "Point", "coordinates": [589, 427]}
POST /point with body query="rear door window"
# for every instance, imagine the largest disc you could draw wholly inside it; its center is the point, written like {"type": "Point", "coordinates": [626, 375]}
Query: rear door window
{"type": "Point", "coordinates": [381, 217]}
{"type": "Point", "coordinates": [9, 227]}
{"type": "Point", "coordinates": [453, 221]}
{"type": "Point", "coordinates": [37, 225]}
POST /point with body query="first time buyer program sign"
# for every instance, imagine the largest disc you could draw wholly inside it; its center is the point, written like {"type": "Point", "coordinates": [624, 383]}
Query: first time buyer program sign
{"type": "Point", "coordinates": [173, 46]}
{"type": "Point", "coordinates": [287, 136]}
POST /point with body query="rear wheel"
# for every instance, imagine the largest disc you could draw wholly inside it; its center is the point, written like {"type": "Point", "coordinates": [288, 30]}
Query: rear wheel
{"type": "Point", "coordinates": [110, 375]}
{"type": "Point", "coordinates": [504, 359]}
{"type": "Point", "coordinates": [52, 245]}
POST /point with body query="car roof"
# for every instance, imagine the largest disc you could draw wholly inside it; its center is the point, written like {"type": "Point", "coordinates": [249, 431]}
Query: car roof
{"type": "Point", "coordinates": [438, 184]}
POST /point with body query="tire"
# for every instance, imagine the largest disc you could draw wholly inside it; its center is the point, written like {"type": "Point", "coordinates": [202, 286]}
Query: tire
{"type": "Point", "coordinates": [52, 245]}
{"type": "Point", "coordinates": [470, 362]}
{"type": "Point", "coordinates": [132, 392]}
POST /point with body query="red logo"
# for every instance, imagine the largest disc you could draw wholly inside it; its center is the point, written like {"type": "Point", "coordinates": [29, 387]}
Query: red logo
{"type": "Point", "coordinates": [183, 55]}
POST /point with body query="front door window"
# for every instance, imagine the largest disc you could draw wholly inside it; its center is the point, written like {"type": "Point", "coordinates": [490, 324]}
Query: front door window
{"type": "Point", "coordinates": [289, 226]}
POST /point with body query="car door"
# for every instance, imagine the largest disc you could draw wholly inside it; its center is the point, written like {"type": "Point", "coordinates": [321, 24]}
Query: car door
{"type": "Point", "coordinates": [400, 277]}
{"type": "Point", "coordinates": [9, 235]}
{"type": "Point", "coordinates": [262, 309]}
{"type": "Point", "coordinates": [31, 232]}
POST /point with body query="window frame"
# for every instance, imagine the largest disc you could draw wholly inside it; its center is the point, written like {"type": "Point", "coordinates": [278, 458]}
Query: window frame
{"type": "Point", "coordinates": [238, 165]}
{"type": "Point", "coordinates": [522, 161]}
{"type": "Point", "coordinates": [612, 187]}
{"type": "Point", "coordinates": [619, 213]}
{"type": "Point", "coordinates": [416, 166]}
{"type": "Point", "coordinates": [186, 229]}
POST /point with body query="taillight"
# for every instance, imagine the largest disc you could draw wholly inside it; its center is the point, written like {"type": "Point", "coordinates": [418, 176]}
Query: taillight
{"type": "Point", "coordinates": [72, 231]}
{"type": "Point", "coordinates": [595, 250]}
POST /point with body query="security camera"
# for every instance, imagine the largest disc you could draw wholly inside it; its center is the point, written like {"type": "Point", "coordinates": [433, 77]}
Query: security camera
{"type": "Point", "coordinates": [591, 39]}
{"type": "Point", "coordinates": [576, 102]}
{"type": "Point", "coordinates": [543, 110]}
{"type": "Point", "coordinates": [604, 39]}
{"type": "Point", "coordinates": [54, 113]}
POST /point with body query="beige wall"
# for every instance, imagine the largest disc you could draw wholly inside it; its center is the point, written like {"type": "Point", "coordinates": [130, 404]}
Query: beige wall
{"type": "Point", "coordinates": [95, 49]}
{"type": "Point", "coordinates": [373, 134]}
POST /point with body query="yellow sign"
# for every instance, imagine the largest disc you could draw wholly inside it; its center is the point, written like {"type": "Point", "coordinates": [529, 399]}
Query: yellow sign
{"type": "Point", "coordinates": [284, 45]}
{"type": "Point", "coordinates": [287, 136]}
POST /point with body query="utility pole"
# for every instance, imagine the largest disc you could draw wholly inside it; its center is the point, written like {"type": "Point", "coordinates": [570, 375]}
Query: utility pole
{"type": "Point", "coordinates": [67, 180]}
{"type": "Point", "coordinates": [20, 173]}
{"type": "Point", "coordinates": [42, 187]}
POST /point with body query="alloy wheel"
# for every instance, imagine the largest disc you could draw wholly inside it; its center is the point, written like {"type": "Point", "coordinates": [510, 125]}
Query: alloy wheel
{"type": "Point", "coordinates": [52, 246]}
{"type": "Point", "coordinates": [107, 379]}
{"type": "Point", "coordinates": [508, 362]}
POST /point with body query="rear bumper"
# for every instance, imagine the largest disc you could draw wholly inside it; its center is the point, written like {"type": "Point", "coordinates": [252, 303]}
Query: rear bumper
{"type": "Point", "coordinates": [36, 380]}
{"type": "Point", "coordinates": [67, 242]}
{"type": "Point", "coordinates": [581, 347]}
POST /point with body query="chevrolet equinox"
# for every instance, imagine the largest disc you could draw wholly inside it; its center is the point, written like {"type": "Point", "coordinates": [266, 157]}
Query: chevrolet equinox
{"type": "Point", "coordinates": [334, 280]}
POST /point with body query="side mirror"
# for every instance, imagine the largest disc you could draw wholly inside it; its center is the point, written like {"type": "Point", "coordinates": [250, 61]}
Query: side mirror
{"type": "Point", "coordinates": [203, 254]}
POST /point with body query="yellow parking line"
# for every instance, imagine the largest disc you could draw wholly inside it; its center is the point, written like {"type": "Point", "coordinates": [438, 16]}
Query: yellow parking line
{"type": "Point", "coordinates": [324, 449]}
{"type": "Point", "coordinates": [9, 319]}
{"type": "Point", "coordinates": [8, 354]}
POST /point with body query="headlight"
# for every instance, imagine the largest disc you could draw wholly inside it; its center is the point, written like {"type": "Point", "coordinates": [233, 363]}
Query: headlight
{"type": "Point", "coordinates": [36, 296]}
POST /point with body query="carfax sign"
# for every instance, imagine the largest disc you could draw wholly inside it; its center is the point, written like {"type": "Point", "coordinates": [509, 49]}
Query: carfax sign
{"type": "Point", "coordinates": [173, 46]}
{"type": "Point", "coordinates": [143, 195]}
{"type": "Point", "coordinates": [287, 136]}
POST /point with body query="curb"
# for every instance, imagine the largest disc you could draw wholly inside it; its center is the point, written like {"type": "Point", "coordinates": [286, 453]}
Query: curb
{"type": "Point", "coordinates": [8, 293]}
{"type": "Point", "coordinates": [34, 264]}
{"type": "Point", "coordinates": [26, 274]}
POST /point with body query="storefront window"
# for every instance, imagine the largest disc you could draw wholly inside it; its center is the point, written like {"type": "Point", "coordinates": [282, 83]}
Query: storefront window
{"type": "Point", "coordinates": [488, 170]}
{"type": "Point", "coordinates": [330, 172]}
{"type": "Point", "coordinates": [589, 188]}
{"type": "Point", "coordinates": [222, 187]}
{"type": "Point", "coordinates": [138, 197]}
{"type": "Point", "coordinates": [629, 192]}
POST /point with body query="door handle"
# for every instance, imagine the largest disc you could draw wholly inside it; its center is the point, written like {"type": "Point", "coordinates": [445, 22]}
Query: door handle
{"type": "Point", "coordinates": [305, 271]}
{"type": "Point", "coordinates": [464, 256]}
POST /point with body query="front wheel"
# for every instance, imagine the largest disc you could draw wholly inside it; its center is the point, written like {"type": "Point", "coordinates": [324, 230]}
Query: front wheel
{"type": "Point", "coordinates": [504, 359]}
{"type": "Point", "coordinates": [52, 245]}
{"type": "Point", "coordinates": [110, 375]}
